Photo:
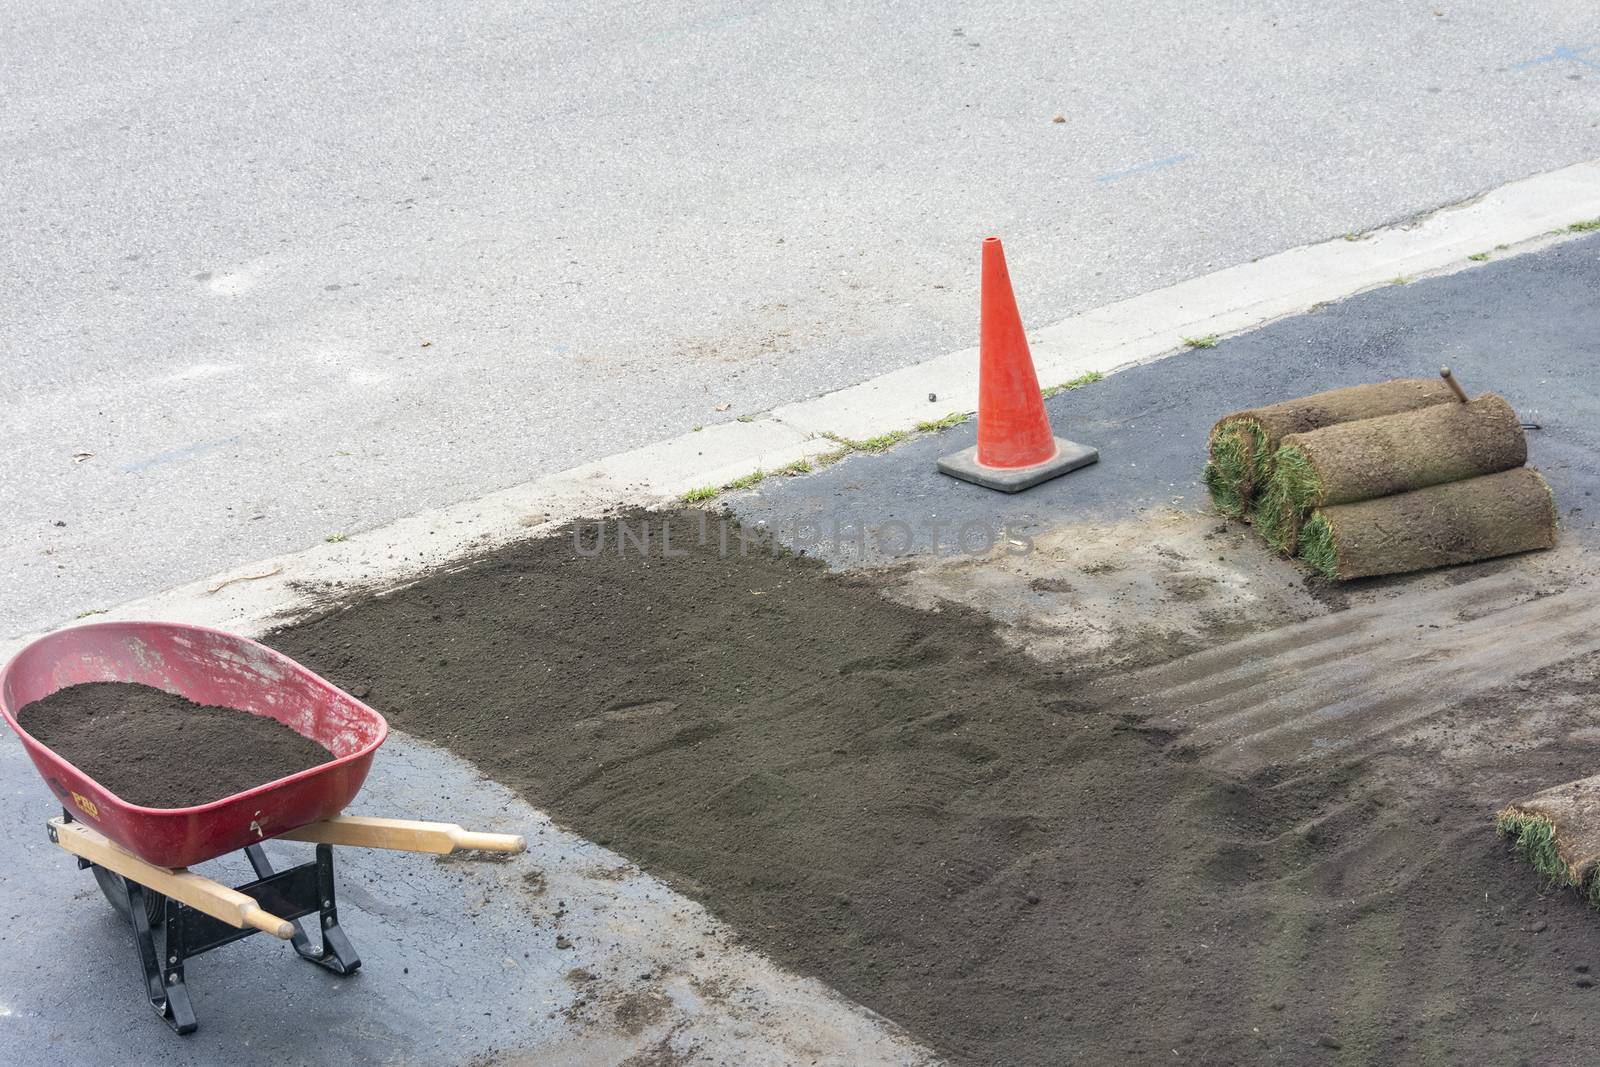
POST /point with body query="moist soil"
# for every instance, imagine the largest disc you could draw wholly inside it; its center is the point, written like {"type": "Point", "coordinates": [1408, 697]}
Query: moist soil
{"type": "Point", "coordinates": [159, 750]}
{"type": "Point", "coordinates": [989, 850]}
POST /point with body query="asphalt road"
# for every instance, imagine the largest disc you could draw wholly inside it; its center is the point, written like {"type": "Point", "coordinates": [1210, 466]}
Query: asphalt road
{"type": "Point", "coordinates": [275, 272]}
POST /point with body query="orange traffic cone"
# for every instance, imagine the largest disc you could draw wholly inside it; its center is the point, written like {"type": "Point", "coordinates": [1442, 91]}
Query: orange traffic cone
{"type": "Point", "coordinates": [1015, 447]}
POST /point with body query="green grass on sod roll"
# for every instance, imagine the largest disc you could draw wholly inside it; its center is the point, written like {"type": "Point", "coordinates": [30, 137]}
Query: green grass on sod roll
{"type": "Point", "coordinates": [1534, 837]}
{"type": "Point", "coordinates": [1292, 491]}
{"type": "Point", "coordinates": [1238, 455]}
{"type": "Point", "coordinates": [1316, 546]}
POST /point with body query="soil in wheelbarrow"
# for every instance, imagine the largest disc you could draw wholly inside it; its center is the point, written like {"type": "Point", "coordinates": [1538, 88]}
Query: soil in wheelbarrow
{"type": "Point", "coordinates": [899, 803]}
{"type": "Point", "coordinates": [160, 750]}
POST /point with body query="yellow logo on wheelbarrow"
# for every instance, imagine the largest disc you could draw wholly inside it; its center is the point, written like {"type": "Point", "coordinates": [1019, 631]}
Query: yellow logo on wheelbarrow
{"type": "Point", "coordinates": [87, 805]}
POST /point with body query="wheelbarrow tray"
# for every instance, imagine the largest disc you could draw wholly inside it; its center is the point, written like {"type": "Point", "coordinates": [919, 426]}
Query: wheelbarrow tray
{"type": "Point", "coordinates": [208, 667]}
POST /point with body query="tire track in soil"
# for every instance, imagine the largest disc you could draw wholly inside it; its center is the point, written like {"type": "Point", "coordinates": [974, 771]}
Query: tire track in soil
{"type": "Point", "coordinates": [1005, 856]}
{"type": "Point", "coordinates": [1348, 683]}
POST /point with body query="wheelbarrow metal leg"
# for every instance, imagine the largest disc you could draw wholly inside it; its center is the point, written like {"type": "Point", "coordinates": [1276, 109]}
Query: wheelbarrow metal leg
{"type": "Point", "coordinates": [334, 951]}
{"type": "Point", "coordinates": [337, 953]}
{"type": "Point", "coordinates": [163, 979]}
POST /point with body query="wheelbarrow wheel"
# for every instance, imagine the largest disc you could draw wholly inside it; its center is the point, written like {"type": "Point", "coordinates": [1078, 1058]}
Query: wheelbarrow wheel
{"type": "Point", "coordinates": [114, 886]}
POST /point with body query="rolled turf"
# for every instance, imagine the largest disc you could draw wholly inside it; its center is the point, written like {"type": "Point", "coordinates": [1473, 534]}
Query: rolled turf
{"type": "Point", "coordinates": [1369, 458]}
{"type": "Point", "coordinates": [1457, 522]}
{"type": "Point", "coordinates": [1242, 444]}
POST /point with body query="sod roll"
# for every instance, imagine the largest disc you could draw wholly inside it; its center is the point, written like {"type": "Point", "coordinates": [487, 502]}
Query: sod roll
{"type": "Point", "coordinates": [1242, 444]}
{"type": "Point", "coordinates": [1558, 832]}
{"type": "Point", "coordinates": [1457, 522]}
{"type": "Point", "coordinates": [1368, 458]}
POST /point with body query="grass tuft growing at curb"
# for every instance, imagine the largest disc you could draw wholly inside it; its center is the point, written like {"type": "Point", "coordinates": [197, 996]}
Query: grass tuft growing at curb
{"type": "Point", "coordinates": [1586, 226]}
{"type": "Point", "coordinates": [881, 443]}
{"type": "Point", "coordinates": [1208, 341]}
{"type": "Point", "coordinates": [955, 418]}
{"type": "Point", "coordinates": [828, 459]}
{"type": "Point", "coordinates": [749, 481]}
{"type": "Point", "coordinates": [1077, 383]}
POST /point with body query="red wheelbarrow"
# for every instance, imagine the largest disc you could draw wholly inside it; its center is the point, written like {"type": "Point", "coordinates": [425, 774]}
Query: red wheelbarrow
{"type": "Point", "coordinates": [139, 855]}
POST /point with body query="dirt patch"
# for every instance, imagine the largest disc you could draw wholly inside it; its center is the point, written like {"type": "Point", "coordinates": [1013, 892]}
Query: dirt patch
{"type": "Point", "coordinates": [620, 873]}
{"type": "Point", "coordinates": [1122, 594]}
{"type": "Point", "coordinates": [663, 1053]}
{"type": "Point", "coordinates": [159, 750]}
{"type": "Point", "coordinates": [981, 846]}
{"type": "Point", "coordinates": [473, 857]}
{"type": "Point", "coordinates": [632, 1012]}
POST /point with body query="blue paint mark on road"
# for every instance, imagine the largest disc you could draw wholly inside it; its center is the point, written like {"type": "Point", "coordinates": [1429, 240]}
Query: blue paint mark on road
{"type": "Point", "coordinates": [177, 455]}
{"type": "Point", "coordinates": [712, 22]}
{"type": "Point", "coordinates": [1562, 54]}
{"type": "Point", "coordinates": [1143, 168]}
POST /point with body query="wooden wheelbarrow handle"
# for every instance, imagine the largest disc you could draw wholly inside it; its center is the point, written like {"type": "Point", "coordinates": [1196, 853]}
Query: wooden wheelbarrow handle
{"type": "Point", "coordinates": [199, 892]}
{"type": "Point", "coordinates": [402, 835]}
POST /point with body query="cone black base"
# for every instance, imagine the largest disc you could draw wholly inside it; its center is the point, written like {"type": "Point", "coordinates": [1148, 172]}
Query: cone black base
{"type": "Point", "coordinates": [1069, 457]}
